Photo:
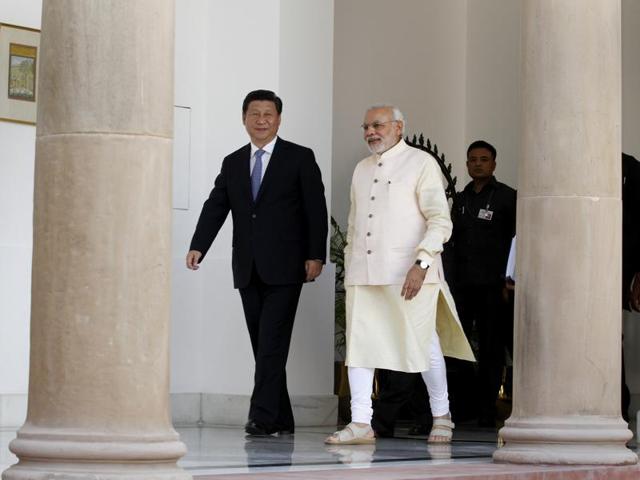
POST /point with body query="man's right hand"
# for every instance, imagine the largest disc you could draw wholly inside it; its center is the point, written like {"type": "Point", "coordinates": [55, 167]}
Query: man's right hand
{"type": "Point", "coordinates": [193, 257]}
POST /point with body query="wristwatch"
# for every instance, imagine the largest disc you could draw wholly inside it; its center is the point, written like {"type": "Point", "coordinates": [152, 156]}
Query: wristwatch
{"type": "Point", "coordinates": [422, 264]}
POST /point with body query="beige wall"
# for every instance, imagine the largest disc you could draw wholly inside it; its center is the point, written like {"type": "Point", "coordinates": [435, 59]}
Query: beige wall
{"type": "Point", "coordinates": [410, 53]}
{"type": "Point", "coordinates": [493, 81]}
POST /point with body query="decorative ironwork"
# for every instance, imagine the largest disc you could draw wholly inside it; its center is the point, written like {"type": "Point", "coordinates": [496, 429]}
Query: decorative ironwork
{"type": "Point", "coordinates": [337, 242]}
{"type": "Point", "coordinates": [418, 142]}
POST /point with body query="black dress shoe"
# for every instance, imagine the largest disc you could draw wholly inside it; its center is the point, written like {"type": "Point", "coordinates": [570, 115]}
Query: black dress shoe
{"type": "Point", "coordinates": [255, 429]}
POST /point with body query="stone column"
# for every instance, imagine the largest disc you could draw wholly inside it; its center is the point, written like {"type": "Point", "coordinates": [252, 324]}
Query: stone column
{"type": "Point", "coordinates": [568, 302]}
{"type": "Point", "coordinates": [99, 371]}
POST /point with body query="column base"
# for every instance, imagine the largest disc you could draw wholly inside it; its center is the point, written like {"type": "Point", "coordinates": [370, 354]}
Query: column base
{"type": "Point", "coordinates": [93, 471]}
{"type": "Point", "coordinates": [46, 453]}
{"type": "Point", "coordinates": [566, 441]}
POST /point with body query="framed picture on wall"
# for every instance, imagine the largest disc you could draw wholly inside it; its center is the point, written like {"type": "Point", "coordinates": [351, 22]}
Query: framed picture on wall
{"type": "Point", "coordinates": [19, 54]}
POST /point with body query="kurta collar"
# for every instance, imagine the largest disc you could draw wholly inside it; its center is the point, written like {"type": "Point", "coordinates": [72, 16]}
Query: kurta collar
{"type": "Point", "coordinates": [393, 151]}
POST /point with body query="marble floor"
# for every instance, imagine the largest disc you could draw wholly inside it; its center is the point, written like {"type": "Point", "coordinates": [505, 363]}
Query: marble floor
{"type": "Point", "coordinates": [225, 452]}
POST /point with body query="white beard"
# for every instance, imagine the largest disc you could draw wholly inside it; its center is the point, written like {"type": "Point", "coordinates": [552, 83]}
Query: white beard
{"type": "Point", "coordinates": [379, 147]}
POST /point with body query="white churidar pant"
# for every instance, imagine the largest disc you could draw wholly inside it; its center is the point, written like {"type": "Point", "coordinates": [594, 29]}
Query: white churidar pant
{"type": "Point", "coordinates": [435, 378]}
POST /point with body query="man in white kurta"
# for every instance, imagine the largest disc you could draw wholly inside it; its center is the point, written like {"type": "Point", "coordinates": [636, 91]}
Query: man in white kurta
{"type": "Point", "coordinates": [400, 313]}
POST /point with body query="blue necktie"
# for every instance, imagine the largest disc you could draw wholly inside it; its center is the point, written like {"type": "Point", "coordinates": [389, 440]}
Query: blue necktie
{"type": "Point", "coordinates": [256, 174]}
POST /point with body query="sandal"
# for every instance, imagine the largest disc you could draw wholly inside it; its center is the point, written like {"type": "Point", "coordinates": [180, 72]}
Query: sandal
{"type": "Point", "coordinates": [442, 427]}
{"type": "Point", "coordinates": [352, 434]}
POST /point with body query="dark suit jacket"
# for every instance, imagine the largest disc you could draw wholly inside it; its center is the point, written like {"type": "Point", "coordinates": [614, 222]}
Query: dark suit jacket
{"type": "Point", "coordinates": [480, 248]}
{"type": "Point", "coordinates": [286, 225]}
{"type": "Point", "coordinates": [630, 222]}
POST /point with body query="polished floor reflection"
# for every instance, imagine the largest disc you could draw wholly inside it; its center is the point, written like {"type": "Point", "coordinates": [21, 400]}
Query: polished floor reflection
{"type": "Point", "coordinates": [226, 450]}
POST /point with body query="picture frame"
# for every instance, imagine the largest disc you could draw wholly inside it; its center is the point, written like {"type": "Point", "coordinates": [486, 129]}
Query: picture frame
{"type": "Point", "coordinates": [19, 61]}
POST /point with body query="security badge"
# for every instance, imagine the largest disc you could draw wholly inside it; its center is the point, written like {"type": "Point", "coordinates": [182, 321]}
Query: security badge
{"type": "Point", "coordinates": [485, 214]}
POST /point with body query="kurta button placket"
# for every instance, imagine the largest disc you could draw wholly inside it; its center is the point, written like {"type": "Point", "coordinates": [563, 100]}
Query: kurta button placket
{"type": "Point", "coordinates": [375, 190]}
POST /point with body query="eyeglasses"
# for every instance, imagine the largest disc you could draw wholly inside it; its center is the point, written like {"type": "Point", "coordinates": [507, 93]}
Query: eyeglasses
{"type": "Point", "coordinates": [375, 125]}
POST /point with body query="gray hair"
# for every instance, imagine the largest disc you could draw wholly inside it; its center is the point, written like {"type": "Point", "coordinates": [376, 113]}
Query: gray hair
{"type": "Point", "coordinates": [397, 114]}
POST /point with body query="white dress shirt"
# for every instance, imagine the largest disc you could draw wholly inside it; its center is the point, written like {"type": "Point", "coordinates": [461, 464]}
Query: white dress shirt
{"type": "Point", "coordinates": [268, 150]}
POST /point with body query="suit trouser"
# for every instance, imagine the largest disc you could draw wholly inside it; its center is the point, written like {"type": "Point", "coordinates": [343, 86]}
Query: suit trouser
{"type": "Point", "coordinates": [625, 395]}
{"type": "Point", "coordinates": [482, 306]}
{"type": "Point", "coordinates": [270, 311]}
{"type": "Point", "coordinates": [395, 390]}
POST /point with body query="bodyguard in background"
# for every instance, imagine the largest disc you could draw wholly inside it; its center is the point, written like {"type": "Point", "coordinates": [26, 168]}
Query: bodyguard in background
{"type": "Point", "coordinates": [630, 233]}
{"type": "Point", "coordinates": [274, 191]}
{"type": "Point", "coordinates": [484, 221]}
{"type": "Point", "coordinates": [630, 252]}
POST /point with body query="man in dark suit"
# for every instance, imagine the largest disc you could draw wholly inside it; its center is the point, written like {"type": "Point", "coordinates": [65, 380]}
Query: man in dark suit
{"type": "Point", "coordinates": [484, 222]}
{"type": "Point", "coordinates": [630, 252]}
{"type": "Point", "coordinates": [630, 233]}
{"type": "Point", "coordinates": [274, 191]}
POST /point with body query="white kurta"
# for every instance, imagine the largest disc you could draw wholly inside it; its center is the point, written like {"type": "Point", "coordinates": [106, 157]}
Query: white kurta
{"type": "Point", "coordinates": [399, 214]}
